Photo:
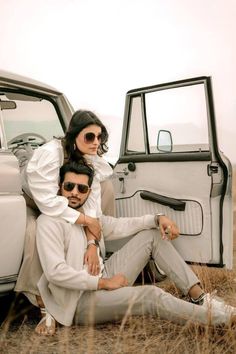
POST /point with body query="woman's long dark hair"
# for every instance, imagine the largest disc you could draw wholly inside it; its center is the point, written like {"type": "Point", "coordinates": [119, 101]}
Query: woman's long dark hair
{"type": "Point", "coordinates": [80, 120]}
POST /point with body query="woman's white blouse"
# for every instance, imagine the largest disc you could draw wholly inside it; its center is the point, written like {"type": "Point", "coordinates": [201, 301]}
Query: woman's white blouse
{"type": "Point", "coordinates": [41, 182]}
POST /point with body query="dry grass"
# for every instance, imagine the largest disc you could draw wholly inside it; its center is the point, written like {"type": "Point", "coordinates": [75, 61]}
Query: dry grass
{"type": "Point", "coordinates": [136, 335]}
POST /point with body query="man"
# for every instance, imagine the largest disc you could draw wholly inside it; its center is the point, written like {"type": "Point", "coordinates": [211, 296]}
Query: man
{"type": "Point", "coordinates": [70, 293]}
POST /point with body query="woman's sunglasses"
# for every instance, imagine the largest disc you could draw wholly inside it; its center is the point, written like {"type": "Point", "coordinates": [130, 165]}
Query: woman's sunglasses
{"type": "Point", "coordinates": [90, 137]}
{"type": "Point", "coordinates": [69, 186]}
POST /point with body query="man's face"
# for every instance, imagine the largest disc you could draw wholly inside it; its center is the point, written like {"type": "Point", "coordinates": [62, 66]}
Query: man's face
{"type": "Point", "coordinates": [75, 197]}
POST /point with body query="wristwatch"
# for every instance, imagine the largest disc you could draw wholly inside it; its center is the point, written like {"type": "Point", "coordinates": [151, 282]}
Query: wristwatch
{"type": "Point", "coordinates": [93, 242]}
{"type": "Point", "coordinates": [157, 219]}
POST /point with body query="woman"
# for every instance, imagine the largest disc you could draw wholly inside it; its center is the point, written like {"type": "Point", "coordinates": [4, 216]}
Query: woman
{"type": "Point", "coordinates": [85, 141]}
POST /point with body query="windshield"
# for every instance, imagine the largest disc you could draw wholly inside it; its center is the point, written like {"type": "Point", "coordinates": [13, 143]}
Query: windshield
{"type": "Point", "coordinates": [26, 114]}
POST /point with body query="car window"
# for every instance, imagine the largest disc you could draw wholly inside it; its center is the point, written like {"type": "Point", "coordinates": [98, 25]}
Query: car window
{"type": "Point", "coordinates": [30, 114]}
{"type": "Point", "coordinates": [176, 121]}
{"type": "Point", "coordinates": [136, 131]}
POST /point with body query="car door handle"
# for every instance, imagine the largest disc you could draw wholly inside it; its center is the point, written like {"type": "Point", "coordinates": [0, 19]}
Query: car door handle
{"type": "Point", "coordinates": [173, 203]}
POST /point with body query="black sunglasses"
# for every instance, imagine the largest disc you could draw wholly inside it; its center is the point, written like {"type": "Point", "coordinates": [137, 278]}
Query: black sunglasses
{"type": "Point", "coordinates": [90, 137]}
{"type": "Point", "coordinates": [69, 186]}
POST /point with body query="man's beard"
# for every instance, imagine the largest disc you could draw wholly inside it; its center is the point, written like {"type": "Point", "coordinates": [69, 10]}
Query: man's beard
{"type": "Point", "coordinates": [73, 204]}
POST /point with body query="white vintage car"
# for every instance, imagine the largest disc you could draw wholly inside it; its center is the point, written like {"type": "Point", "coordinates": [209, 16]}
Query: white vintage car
{"type": "Point", "coordinates": [169, 162]}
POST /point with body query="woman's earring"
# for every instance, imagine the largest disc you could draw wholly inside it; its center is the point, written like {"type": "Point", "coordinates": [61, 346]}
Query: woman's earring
{"type": "Point", "coordinates": [74, 147]}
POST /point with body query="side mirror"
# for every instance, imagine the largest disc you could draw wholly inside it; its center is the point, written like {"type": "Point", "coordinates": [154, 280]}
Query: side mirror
{"type": "Point", "coordinates": [164, 141]}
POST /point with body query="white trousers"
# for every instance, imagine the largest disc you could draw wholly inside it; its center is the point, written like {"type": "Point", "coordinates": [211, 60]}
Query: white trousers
{"type": "Point", "coordinates": [102, 306]}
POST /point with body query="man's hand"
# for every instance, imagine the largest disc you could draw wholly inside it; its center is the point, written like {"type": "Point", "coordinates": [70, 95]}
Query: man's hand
{"type": "Point", "coordinates": [168, 229]}
{"type": "Point", "coordinates": [91, 260]}
{"type": "Point", "coordinates": [116, 282]}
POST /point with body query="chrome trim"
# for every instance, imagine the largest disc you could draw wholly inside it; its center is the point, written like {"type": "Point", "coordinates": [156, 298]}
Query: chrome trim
{"type": "Point", "coordinates": [9, 279]}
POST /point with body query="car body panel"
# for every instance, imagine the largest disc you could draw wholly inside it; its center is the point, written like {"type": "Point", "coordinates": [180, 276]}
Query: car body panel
{"type": "Point", "coordinates": [12, 220]}
{"type": "Point", "coordinates": [9, 79]}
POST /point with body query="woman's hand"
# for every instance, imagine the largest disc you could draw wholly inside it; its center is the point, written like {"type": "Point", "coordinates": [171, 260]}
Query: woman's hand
{"type": "Point", "coordinates": [93, 226]}
{"type": "Point", "coordinates": [168, 229]}
{"type": "Point", "coordinates": [91, 259]}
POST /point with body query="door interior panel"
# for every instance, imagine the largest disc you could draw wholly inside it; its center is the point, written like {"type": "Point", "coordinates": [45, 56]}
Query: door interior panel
{"type": "Point", "coordinates": [190, 221]}
{"type": "Point", "coordinates": [187, 183]}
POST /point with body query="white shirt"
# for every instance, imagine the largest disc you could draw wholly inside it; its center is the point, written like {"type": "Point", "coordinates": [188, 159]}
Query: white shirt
{"type": "Point", "coordinates": [41, 182]}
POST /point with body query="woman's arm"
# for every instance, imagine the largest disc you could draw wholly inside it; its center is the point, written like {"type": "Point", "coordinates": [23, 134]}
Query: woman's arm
{"type": "Point", "coordinates": [42, 179]}
{"type": "Point", "coordinates": [93, 225]}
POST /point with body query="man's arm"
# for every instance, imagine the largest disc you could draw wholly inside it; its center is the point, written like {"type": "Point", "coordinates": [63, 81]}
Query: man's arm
{"type": "Point", "coordinates": [51, 248]}
{"type": "Point", "coordinates": [117, 228]}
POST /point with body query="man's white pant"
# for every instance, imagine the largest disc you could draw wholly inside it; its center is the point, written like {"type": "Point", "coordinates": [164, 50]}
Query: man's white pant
{"type": "Point", "coordinates": [102, 306]}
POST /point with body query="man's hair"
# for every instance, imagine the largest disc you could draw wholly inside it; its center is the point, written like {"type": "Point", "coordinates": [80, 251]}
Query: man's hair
{"type": "Point", "coordinates": [79, 169]}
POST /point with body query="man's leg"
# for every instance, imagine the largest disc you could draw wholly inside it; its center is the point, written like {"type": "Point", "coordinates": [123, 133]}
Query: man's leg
{"type": "Point", "coordinates": [135, 254]}
{"type": "Point", "coordinates": [105, 306]}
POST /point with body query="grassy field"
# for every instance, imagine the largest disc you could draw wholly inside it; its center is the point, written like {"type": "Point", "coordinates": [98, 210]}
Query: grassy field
{"type": "Point", "coordinates": [133, 335]}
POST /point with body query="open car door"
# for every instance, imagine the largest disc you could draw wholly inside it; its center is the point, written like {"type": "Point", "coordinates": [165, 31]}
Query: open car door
{"type": "Point", "coordinates": [170, 162]}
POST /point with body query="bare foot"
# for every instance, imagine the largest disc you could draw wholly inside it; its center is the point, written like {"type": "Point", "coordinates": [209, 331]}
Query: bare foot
{"type": "Point", "coordinates": [40, 301]}
{"type": "Point", "coordinates": [47, 325]}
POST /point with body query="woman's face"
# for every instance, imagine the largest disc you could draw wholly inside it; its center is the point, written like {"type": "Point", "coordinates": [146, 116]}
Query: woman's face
{"type": "Point", "coordinates": [89, 139]}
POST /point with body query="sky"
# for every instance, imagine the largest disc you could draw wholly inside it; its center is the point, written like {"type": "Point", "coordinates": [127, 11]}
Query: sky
{"type": "Point", "coordinates": [96, 50]}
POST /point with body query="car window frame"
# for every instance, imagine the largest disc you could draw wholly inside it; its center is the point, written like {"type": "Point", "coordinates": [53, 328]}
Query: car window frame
{"type": "Point", "coordinates": [51, 98]}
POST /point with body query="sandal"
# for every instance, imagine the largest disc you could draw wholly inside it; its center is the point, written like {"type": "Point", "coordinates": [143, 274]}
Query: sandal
{"type": "Point", "coordinates": [47, 324]}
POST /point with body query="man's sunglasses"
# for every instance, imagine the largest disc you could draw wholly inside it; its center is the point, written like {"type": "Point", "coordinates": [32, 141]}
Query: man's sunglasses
{"type": "Point", "coordinates": [69, 186]}
{"type": "Point", "coordinates": [90, 137]}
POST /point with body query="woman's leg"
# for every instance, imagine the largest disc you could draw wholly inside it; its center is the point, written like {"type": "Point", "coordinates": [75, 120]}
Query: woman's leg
{"type": "Point", "coordinates": [108, 198]}
{"type": "Point", "coordinates": [31, 270]}
{"type": "Point", "coordinates": [47, 324]}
